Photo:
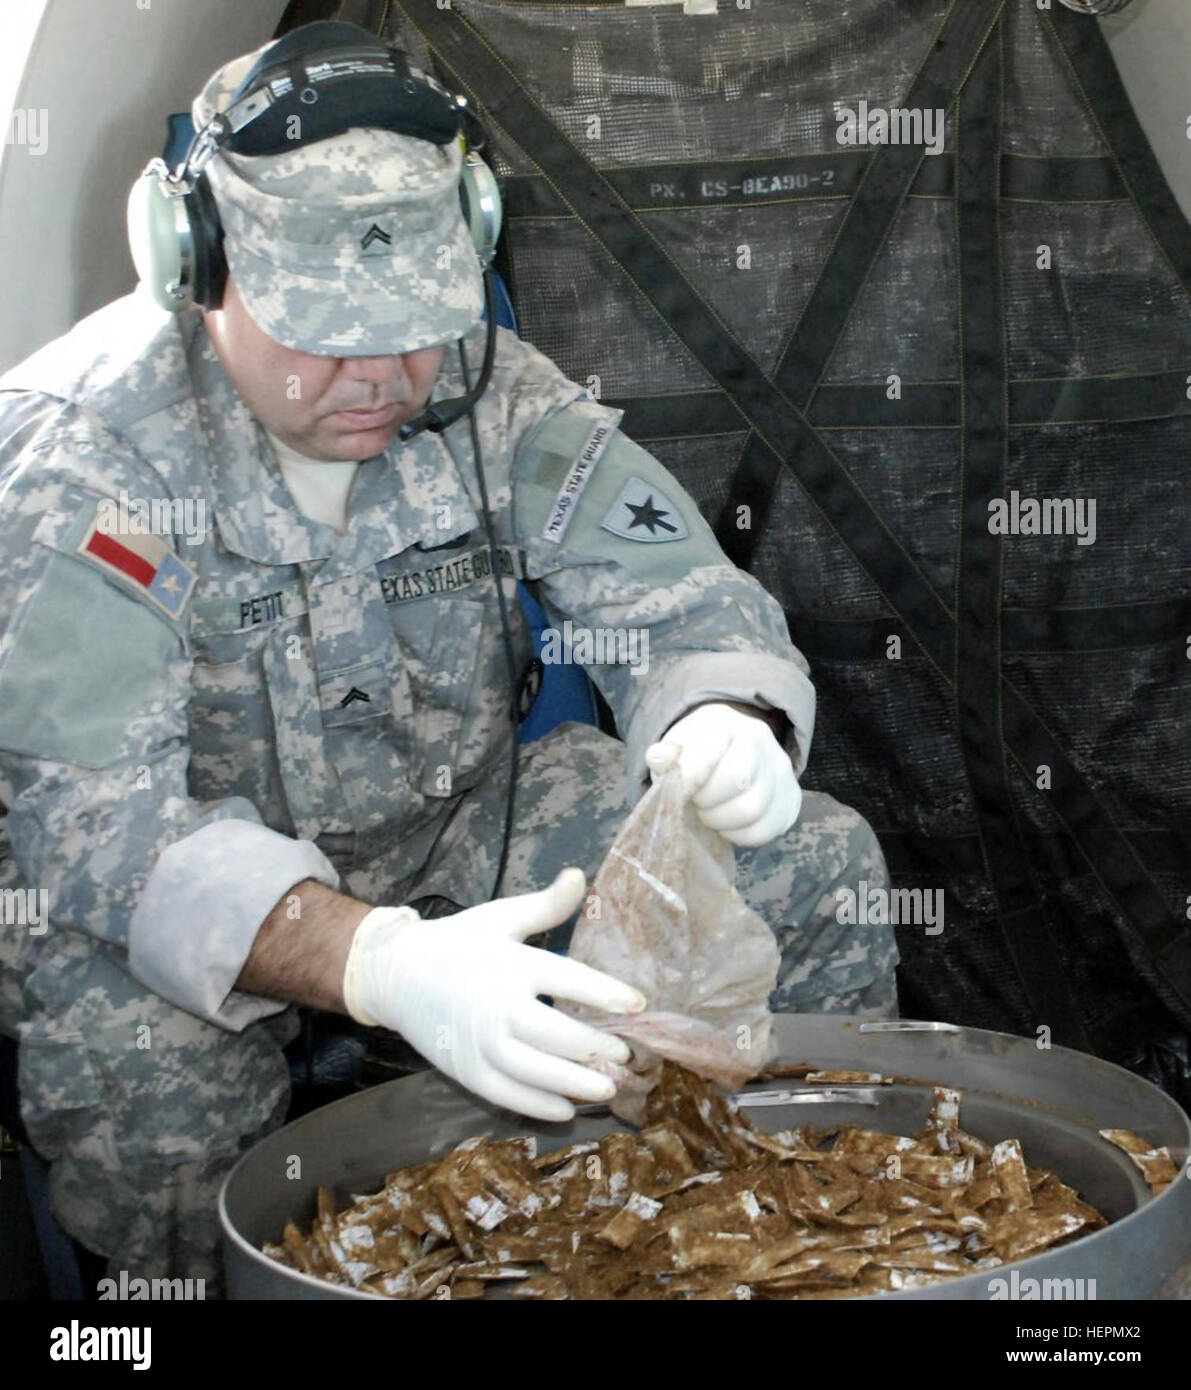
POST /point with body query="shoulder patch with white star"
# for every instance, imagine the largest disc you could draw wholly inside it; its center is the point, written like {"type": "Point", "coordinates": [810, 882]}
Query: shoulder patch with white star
{"type": "Point", "coordinates": [643, 512]}
{"type": "Point", "coordinates": [583, 494]}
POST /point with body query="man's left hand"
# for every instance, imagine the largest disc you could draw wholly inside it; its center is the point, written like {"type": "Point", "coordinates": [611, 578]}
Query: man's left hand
{"type": "Point", "coordinates": [738, 777]}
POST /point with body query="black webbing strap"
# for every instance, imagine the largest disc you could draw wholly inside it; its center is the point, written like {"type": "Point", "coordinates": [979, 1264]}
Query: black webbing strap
{"type": "Point", "coordinates": [984, 446]}
{"type": "Point", "coordinates": [1103, 627]}
{"type": "Point", "coordinates": [1032, 401]}
{"type": "Point", "coordinates": [918, 854]}
{"type": "Point", "coordinates": [924, 405]}
{"type": "Point", "coordinates": [1092, 68]}
{"type": "Point", "coordinates": [1163, 621]}
{"type": "Point", "coordinates": [1059, 179]}
{"type": "Point", "coordinates": [678, 415]}
{"type": "Point", "coordinates": [878, 199]}
{"type": "Point", "coordinates": [470, 63]}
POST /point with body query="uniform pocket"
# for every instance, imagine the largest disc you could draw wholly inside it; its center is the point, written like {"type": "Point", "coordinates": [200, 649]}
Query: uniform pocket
{"type": "Point", "coordinates": [443, 693]}
{"type": "Point", "coordinates": [221, 651]}
{"type": "Point", "coordinates": [228, 681]}
{"type": "Point", "coordinates": [310, 785]}
{"type": "Point", "coordinates": [232, 737]}
{"type": "Point", "coordinates": [166, 1089]}
{"type": "Point", "coordinates": [462, 717]}
{"type": "Point", "coordinates": [232, 745]}
{"type": "Point", "coordinates": [180, 1090]}
{"type": "Point", "coordinates": [62, 1092]}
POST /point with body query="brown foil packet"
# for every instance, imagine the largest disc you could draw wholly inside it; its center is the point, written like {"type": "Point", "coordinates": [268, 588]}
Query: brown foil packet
{"type": "Point", "coordinates": [702, 1204]}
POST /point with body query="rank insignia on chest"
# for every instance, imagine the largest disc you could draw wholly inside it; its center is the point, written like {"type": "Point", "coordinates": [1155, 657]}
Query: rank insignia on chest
{"type": "Point", "coordinates": [143, 562]}
{"type": "Point", "coordinates": [643, 512]}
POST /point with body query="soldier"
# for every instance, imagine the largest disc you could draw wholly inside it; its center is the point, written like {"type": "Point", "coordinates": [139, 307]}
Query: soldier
{"type": "Point", "coordinates": [255, 702]}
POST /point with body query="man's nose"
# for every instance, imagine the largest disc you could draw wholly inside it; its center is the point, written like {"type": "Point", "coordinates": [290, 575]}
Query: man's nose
{"type": "Point", "coordinates": [376, 369]}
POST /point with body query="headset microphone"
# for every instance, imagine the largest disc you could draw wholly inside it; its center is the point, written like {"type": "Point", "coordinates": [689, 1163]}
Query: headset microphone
{"type": "Point", "coordinates": [440, 414]}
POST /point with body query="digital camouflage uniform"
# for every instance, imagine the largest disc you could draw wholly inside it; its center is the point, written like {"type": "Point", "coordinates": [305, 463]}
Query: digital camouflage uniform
{"type": "Point", "coordinates": [177, 749]}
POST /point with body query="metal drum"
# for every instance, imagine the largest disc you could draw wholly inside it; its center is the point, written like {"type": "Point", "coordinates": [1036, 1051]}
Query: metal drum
{"type": "Point", "coordinates": [1053, 1100]}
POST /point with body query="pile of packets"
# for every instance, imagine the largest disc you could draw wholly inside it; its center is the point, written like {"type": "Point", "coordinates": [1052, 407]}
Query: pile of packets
{"type": "Point", "coordinates": [702, 1204]}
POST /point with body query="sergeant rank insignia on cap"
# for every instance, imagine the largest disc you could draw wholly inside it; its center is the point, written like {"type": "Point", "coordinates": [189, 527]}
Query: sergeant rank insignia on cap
{"type": "Point", "coordinates": [643, 512]}
{"type": "Point", "coordinates": [143, 561]}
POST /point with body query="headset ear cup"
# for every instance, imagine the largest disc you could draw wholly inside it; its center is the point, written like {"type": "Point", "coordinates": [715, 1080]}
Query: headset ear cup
{"type": "Point", "coordinates": [155, 241]}
{"type": "Point", "coordinates": [210, 262]}
{"type": "Point", "coordinates": [479, 197]}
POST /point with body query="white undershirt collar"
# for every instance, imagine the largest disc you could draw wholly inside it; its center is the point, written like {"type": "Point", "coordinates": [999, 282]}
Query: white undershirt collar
{"type": "Point", "coordinates": [319, 487]}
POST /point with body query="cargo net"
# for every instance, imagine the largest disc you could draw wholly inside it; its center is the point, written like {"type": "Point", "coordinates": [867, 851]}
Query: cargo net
{"type": "Point", "coordinates": [721, 134]}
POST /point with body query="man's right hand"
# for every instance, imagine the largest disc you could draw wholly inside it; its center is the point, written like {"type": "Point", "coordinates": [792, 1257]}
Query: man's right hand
{"type": "Point", "coordinates": [463, 990]}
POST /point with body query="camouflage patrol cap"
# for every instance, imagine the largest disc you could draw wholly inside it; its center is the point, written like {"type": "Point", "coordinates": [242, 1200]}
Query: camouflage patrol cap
{"type": "Point", "coordinates": [354, 246]}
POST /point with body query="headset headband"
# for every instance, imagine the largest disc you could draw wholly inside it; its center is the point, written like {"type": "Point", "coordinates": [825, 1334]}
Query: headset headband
{"type": "Point", "coordinates": [329, 77]}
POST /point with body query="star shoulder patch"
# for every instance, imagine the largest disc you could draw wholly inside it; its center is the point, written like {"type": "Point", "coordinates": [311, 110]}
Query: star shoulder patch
{"type": "Point", "coordinates": [643, 512]}
{"type": "Point", "coordinates": [141, 560]}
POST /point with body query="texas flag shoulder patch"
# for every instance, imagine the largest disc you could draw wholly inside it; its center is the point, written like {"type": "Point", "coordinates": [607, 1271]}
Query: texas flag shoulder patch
{"type": "Point", "coordinates": [143, 561]}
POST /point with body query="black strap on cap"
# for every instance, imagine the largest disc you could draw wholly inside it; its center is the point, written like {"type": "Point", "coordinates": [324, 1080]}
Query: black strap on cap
{"type": "Point", "coordinates": [333, 77]}
{"type": "Point", "coordinates": [210, 261]}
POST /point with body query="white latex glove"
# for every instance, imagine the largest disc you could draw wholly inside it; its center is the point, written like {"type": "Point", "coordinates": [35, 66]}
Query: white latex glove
{"type": "Point", "coordinates": [463, 990]}
{"type": "Point", "coordinates": [738, 776]}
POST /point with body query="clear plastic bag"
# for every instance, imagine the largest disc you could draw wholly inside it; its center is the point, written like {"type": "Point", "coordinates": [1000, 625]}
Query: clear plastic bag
{"type": "Point", "coordinates": [664, 916]}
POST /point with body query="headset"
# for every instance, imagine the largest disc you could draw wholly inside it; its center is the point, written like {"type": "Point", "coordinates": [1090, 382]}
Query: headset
{"type": "Point", "coordinates": [331, 76]}
{"type": "Point", "coordinates": [334, 76]}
